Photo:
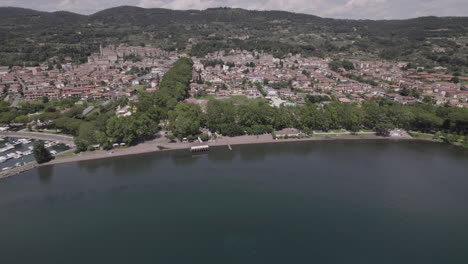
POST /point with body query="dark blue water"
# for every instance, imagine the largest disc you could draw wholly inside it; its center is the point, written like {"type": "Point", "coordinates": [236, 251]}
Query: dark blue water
{"type": "Point", "coordinates": [317, 202]}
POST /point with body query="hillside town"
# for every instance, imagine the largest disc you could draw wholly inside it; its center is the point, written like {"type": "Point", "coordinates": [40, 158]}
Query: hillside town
{"type": "Point", "coordinates": [109, 74]}
{"type": "Point", "coordinates": [120, 71]}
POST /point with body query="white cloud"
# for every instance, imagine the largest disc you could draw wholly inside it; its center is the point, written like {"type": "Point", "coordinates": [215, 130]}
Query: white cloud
{"type": "Point", "coordinates": [180, 4]}
{"type": "Point", "coordinates": [364, 3]}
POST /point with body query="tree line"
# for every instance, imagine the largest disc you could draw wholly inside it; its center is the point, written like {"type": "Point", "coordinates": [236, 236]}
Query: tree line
{"type": "Point", "coordinates": [165, 109]}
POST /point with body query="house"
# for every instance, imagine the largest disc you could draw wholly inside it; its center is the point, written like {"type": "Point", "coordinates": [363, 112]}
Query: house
{"type": "Point", "coordinates": [4, 70]}
{"type": "Point", "coordinates": [288, 132]}
{"type": "Point", "coordinates": [123, 111]}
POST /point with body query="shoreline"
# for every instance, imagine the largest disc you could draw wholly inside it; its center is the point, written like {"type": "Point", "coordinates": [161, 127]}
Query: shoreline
{"type": "Point", "coordinates": [152, 146]}
{"type": "Point", "coordinates": [162, 145]}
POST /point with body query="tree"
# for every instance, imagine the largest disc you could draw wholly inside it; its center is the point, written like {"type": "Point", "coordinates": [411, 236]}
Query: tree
{"type": "Point", "coordinates": [205, 137]}
{"type": "Point", "coordinates": [45, 99]}
{"type": "Point", "coordinates": [87, 133]}
{"type": "Point", "coordinates": [428, 99]}
{"type": "Point", "coordinates": [80, 145]}
{"type": "Point", "coordinates": [23, 119]}
{"type": "Point", "coordinates": [41, 154]}
{"type": "Point", "coordinates": [121, 129]}
{"type": "Point", "coordinates": [383, 127]}
{"type": "Point", "coordinates": [6, 118]}
{"type": "Point", "coordinates": [219, 113]}
{"type": "Point", "coordinates": [455, 79]}
{"type": "Point", "coordinates": [185, 120]}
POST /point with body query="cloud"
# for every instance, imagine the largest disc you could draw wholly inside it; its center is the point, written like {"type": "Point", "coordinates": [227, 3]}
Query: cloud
{"type": "Point", "coordinates": [355, 9]}
{"type": "Point", "coordinates": [364, 3]}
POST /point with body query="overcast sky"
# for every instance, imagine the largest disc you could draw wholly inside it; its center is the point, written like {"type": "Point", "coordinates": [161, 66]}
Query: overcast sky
{"type": "Point", "coordinates": [371, 9]}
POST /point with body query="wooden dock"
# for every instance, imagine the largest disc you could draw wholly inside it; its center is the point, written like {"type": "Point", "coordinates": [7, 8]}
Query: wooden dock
{"type": "Point", "coordinates": [200, 148]}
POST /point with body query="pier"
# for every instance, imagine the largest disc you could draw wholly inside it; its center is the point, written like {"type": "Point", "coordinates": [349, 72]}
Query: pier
{"type": "Point", "coordinates": [200, 148]}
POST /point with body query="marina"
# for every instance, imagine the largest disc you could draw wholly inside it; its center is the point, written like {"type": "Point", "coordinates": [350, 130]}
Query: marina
{"type": "Point", "coordinates": [18, 152]}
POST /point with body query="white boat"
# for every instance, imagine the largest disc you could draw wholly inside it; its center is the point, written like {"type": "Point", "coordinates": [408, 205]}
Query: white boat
{"type": "Point", "coordinates": [7, 148]}
{"type": "Point", "coordinates": [53, 152]}
{"type": "Point", "coordinates": [14, 155]}
{"type": "Point", "coordinates": [50, 144]}
{"type": "Point", "coordinates": [6, 168]}
{"type": "Point", "coordinates": [24, 141]}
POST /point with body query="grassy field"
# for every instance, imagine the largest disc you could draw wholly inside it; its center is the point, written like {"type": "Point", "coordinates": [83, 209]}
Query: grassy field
{"type": "Point", "coordinates": [424, 136]}
{"type": "Point", "coordinates": [455, 140]}
{"type": "Point", "coordinates": [65, 154]}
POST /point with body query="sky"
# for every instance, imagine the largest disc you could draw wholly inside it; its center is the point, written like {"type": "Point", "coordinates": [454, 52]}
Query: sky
{"type": "Point", "coordinates": [353, 9]}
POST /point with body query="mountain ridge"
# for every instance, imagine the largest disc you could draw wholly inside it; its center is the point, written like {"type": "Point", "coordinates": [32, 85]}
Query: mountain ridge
{"type": "Point", "coordinates": [63, 33]}
{"type": "Point", "coordinates": [215, 9]}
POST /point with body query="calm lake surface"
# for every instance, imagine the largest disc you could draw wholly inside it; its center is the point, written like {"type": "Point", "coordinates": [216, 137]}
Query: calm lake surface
{"type": "Point", "coordinates": [315, 202]}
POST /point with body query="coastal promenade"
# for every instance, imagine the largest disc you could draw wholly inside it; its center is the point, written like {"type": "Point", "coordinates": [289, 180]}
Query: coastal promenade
{"type": "Point", "coordinates": [162, 144]}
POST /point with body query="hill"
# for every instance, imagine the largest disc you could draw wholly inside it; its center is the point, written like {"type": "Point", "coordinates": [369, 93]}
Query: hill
{"type": "Point", "coordinates": [33, 36]}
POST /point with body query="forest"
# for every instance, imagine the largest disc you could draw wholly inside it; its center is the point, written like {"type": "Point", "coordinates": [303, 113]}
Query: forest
{"type": "Point", "coordinates": [30, 37]}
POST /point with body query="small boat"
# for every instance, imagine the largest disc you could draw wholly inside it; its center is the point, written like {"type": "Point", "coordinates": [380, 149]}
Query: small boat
{"type": "Point", "coordinates": [6, 168]}
{"type": "Point", "coordinates": [7, 148]}
{"type": "Point", "coordinates": [24, 141]}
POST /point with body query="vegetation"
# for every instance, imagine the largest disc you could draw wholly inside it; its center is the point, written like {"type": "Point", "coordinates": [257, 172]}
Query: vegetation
{"type": "Point", "coordinates": [336, 65]}
{"type": "Point", "coordinates": [276, 32]}
{"type": "Point", "coordinates": [256, 117]}
{"type": "Point", "coordinates": [41, 154]}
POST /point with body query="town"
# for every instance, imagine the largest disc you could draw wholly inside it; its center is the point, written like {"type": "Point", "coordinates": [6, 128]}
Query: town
{"type": "Point", "coordinates": [120, 71]}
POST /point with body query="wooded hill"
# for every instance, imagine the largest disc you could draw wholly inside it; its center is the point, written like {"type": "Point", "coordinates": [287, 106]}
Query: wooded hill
{"type": "Point", "coordinates": [33, 36]}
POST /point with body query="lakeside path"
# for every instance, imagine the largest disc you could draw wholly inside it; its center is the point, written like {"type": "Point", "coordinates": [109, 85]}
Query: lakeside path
{"type": "Point", "coordinates": [162, 144]}
{"type": "Point", "coordinates": [40, 136]}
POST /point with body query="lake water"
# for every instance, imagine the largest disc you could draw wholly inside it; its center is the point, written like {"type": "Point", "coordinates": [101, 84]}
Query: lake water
{"type": "Point", "coordinates": [316, 202]}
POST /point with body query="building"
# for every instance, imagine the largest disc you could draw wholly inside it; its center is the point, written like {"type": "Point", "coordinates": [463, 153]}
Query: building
{"type": "Point", "coordinates": [288, 132]}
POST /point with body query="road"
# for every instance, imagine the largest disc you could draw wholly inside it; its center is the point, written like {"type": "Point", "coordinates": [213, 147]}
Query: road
{"type": "Point", "coordinates": [16, 101]}
{"type": "Point", "coordinates": [40, 136]}
{"type": "Point", "coordinates": [17, 98]}
{"type": "Point", "coordinates": [343, 133]}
